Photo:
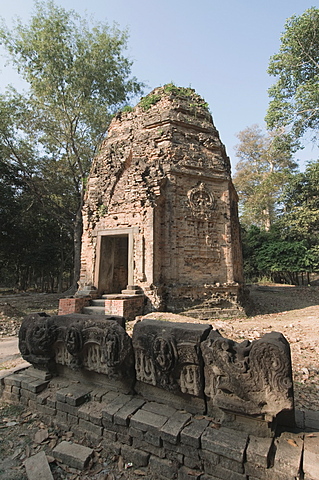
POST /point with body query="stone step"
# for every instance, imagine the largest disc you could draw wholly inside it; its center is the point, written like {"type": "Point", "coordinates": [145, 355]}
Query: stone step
{"type": "Point", "coordinates": [94, 310]}
{"type": "Point", "coordinates": [99, 302]}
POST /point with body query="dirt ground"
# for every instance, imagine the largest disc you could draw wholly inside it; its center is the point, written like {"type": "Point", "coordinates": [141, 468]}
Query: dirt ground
{"type": "Point", "coordinates": [293, 311]}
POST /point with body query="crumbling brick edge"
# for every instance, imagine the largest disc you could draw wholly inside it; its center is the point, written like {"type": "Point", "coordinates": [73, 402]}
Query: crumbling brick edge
{"type": "Point", "coordinates": [171, 443]}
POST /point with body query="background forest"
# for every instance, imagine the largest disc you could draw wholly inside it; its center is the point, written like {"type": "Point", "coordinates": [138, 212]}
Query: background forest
{"type": "Point", "coordinates": [78, 77]}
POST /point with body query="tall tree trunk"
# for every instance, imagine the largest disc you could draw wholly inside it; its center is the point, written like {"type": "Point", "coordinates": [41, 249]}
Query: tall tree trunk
{"type": "Point", "coordinates": [77, 240]}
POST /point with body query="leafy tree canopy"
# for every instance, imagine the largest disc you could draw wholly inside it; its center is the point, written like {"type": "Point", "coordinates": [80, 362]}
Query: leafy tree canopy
{"type": "Point", "coordinates": [78, 77]}
{"type": "Point", "coordinates": [263, 168]}
{"type": "Point", "coordinates": [295, 95]}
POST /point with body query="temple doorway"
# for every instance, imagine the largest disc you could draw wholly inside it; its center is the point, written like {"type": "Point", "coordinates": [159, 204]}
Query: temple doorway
{"type": "Point", "coordinates": [113, 265]}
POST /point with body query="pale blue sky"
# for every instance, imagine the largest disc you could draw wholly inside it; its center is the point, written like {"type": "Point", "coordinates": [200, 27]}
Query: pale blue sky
{"type": "Point", "coordinates": [219, 48]}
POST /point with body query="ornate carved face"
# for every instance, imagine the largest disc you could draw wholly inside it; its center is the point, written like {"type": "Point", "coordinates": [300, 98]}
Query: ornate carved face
{"type": "Point", "coordinates": [164, 353]}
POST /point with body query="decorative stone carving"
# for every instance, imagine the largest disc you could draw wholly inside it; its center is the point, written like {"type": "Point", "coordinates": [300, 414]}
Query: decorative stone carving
{"type": "Point", "coordinates": [37, 335]}
{"type": "Point", "coordinates": [167, 355]}
{"type": "Point", "coordinates": [78, 341]}
{"type": "Point", "coordinates": [250, 378]}
{"type": "Point", "coordinates": [201, 201]}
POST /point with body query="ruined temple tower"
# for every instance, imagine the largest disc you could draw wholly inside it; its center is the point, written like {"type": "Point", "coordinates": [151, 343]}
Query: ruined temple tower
{"type": "Point", "coordinates": [160, 213]}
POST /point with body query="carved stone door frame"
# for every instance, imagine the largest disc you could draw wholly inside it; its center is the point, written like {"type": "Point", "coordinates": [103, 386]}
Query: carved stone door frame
{"type": "Point", "coordinates": [113, 232]}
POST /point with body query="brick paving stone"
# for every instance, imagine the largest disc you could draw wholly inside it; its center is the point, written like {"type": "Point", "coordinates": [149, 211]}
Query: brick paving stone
{"type": "Point", "coordinates": [192, 433]}
{"type": "Point", "coordinates": [74, 395]}
{"type": "Point", "coordinates": [96, 413]}
{"type": "Point", "coordinates": [231, 464]}
{"type": "Point", "coordinates": [153, 438]}
{"type": "Point", "coordinates": [90, 427]}
{"type": "Point", "coordinates": [171, 430]}
{"type": "Point", "coordinates": [259, 450]}
{"type": "Point", "coordinates": [34, 386]}
{"type": "Point", "coordinates": [311, 456]}
{"type": "Point", "coordinates": [159, 409]}
{"type": "Point", "coordinates": [147, 421]}
{"type": "Point", "coordinates": [289, 448]}
{"type": "Point", "coordinates": [114, 405]}
{"type": "Point", "coordinates": [226, 442]}
{"type": "Point", "coordinates": [192, 463]}
{"type": "Point", "coordinates": [147, 447]}
{"type": "Point", "coordinates": [123, 415]}
{"type": "Point", "coordinates": [73, 454]}
{"type": "Point", "coordinates": [223, 473]}
{"type": "Point", "coordinates": [84, 411]}
{"type": "Point", "coordinates": [37, 467]}
{"type": "Point", "coordinates": [65, 407]}
{"type": "Point", "coordinates": [137, 457]}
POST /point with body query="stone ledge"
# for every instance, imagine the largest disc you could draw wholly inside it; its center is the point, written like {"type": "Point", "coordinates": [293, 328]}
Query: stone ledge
{"type": "Point", "coordinates": [177, 442]}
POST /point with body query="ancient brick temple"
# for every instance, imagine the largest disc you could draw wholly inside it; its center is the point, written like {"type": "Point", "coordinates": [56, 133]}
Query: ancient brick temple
{"type": "Point", "coordinates": [160, 214]}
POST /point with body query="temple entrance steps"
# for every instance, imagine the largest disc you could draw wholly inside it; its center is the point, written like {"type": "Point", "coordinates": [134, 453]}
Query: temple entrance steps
{"type": "Point", "coordinates": [96, 307]}
{"type": "Point", "coordinates": [124, 305]}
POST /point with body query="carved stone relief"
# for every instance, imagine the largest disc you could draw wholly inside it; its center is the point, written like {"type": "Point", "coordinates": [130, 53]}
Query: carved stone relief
{"type": "Point", "coordinates": [167, 355]}
{"type": "Point", "coordinates": [201, 202]}
{"type": "Point", "coordinates": [252, 378]}
{"type": "Point", "coordinates": [192, 361]}
{"type": "Point", "coordinates": [78, 341]}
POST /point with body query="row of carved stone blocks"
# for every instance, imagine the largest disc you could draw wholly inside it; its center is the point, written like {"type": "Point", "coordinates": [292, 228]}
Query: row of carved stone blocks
{"type": "Point", "coordinates": [171, 442]}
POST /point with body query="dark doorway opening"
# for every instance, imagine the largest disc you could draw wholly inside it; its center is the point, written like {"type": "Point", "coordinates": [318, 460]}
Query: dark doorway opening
{"type": "Point", "coordinates": [113, 271]}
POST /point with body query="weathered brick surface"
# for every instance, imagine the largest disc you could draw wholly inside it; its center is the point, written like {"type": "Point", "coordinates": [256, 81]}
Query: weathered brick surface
{"type": "Point", "coordinates": [171, 430]}
{"type": "Point", "coordinates": [114, 406]}
{"type": "Point", "coordinates": [192, 433]}
{"type": "Point", "coordinates": [311, 420]}
{"type": "Point", "coordinates": [147, 421]}
{"type": "Point", "coordinates": [37, 467]}
{"type": "Point", "coordinates": [137, 457]}
{"type": "Point", "coordinates": [259, 450]}
{"type": "Point", "coordinates": [141, 432]}
{"type": "Point", "coordinates": [123, 415]}
{"type": "Point", "coordinates": [225, 442]}
{"type": "Point", "coordinates": [165, 178]}
{"type": "Point", "coordinates": [72, 454]}
{"type": "Point", "coordinates": [73, 395]}
{"type": "Point", "coordinates": [163, 467]}
{"type": "Point", "coordinates": [72, 305]}
{"type": "Point", "coordinates": [147, 447]}
{"type": "Point", "coordinates": [90, 427]}
{"type": "Point", "coordinates": [311, 456]}
{"type": "Point", "coordinates": [288, 454]}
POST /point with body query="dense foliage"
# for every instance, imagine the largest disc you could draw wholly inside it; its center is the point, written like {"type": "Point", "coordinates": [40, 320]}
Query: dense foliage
{"type": "Point", "coordinates": [295, 95]}
{"type": "Point", "coordinates": [289, 251]}
{"type": "Point", "coordinates": [78, 77]}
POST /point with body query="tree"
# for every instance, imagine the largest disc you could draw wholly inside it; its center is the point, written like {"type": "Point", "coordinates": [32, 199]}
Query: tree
{"type": "Point", "coordinates": [300, 217]}
{"type": "Point", "coordinates": [35, 244]}
{"type": "Point", "coordinates": [78, 77]}
{"type": "Point", "coordinates": [295, 95]}
{"type": "Point", "coordinates": [262, 170]}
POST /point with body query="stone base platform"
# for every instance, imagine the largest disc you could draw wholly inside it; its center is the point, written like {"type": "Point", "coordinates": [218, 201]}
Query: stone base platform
{"type": "Point", "coordinates": [167, 442]}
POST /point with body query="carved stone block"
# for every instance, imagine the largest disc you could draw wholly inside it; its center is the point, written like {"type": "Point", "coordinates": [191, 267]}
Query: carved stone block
{"type": "Point", "coordinates": [249, 378]}
{"type": "Point", "coordinates": [167, 357]}
{"type": "Point", "coordinates": [80, 342]}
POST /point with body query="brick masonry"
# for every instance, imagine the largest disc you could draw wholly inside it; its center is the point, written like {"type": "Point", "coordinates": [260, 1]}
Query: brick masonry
{"type": "Point", "coordinates": [171, 443]}
{"type": "Point", "coordinates": [160, 210]}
